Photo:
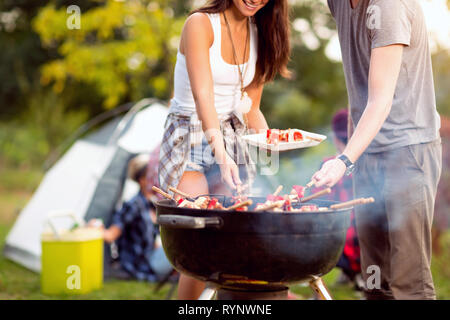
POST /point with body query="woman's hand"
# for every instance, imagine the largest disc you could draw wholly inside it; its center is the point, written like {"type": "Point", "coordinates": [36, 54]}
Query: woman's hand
{"type": "Point", "coordinates": [229, 170]}
{"type": "Point", "coordinates": [332, 171]}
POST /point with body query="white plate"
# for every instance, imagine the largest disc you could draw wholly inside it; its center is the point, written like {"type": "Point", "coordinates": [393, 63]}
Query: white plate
{"type": "Point", "coordinates": [260, 140]}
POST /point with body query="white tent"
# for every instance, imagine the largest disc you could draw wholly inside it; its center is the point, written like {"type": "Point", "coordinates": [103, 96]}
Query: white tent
{"type": "Point", "coordinates": [88, 180]}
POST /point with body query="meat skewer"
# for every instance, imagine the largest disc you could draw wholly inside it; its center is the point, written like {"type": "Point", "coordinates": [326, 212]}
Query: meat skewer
{"type": "Point", "coordinates": [181, 193]}
{"type": "Point", "coordinates": [351, 203]}
{"type": "Point", "coordinates": [164, 194]}
{"type": "Point", "coordinates": [316, 195]}
{"type": "Point", "coordinates": [239, 205]}
{"type": "Point", "coordinates": [267, 207]}
{"type": "Point", "coordinates": [298, 192]}
{"type": "Point", "coordinates": [186, 201]}
{"type": "Point", "coordinates": [277, 192]}
{"type": "Point", "coordinates": [309, 185]}
{"type": "Point", "coordinates": [274, 201]}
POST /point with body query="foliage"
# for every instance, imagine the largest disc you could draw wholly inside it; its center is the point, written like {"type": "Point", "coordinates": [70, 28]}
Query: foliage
{"type": "Point", "coordinates": [441, 68]}
{"type": "Point", "coordinates": [126, 50]}
{"type": "Point", "coordinates": [20, 53]}
{"type": "Point", "coordinates": [309, 99]}
{"type": "Point", "coordinates": [27, 141]}
{"type": "Point", "coordinates": [21, 146]}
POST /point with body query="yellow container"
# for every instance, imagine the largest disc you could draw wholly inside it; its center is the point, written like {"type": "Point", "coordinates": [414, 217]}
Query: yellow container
{"type": "Point", "coordinates": [72, 261]}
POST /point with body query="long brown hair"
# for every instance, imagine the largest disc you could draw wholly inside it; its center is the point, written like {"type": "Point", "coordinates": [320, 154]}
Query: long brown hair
{"type": "Point", "coordinates": [274, 48]}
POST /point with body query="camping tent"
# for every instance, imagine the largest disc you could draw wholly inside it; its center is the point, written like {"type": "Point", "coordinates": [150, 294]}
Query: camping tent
{"type": "Point", "coordinates": [88, 180]}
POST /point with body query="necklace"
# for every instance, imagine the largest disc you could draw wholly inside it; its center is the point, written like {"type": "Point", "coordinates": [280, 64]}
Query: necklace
{"type": "Point", "coordinates": [245, 103]}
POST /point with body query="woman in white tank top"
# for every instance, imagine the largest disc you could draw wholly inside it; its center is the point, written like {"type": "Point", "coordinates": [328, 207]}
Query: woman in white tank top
{"type": "Point", "coordinates": [228, 50]}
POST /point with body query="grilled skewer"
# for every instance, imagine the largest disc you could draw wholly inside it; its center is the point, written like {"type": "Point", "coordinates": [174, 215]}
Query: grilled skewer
{"type": "Point", "coordinates": [277, 192]}
{"type": "Point", "coordinates": [309, 185]}
{"type": "Point", "coordinates": [273, 205]}
{"type": "Point", "coordinates": [295, 194]}
{"type": "Point", "coordinates": [181, 193]}
{"type": "Point", "coordinates": [316, 195]}
{"type": "Point", "coordinates": [269, 205]}
{"type": "Point", "coordinates": [352, 203]}
{"type": "Point", "coordinates": [164, 194]}
{"type": "Point", "coordinates": [240, 205]}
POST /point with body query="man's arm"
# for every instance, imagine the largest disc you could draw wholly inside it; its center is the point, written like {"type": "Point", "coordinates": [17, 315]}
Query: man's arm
{"type": "Point", "coordinates": [385, 64]}
{"type": "Point", "coordinates": [120, 218]}
{"type": "Point", "coordinates": [350, 126]}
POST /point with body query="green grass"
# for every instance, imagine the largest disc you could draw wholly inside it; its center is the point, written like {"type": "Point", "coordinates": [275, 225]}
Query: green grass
{"type": "Point", "coordinates": [17, 282]}
{"type": "Point", "coordinates": [440, 268]}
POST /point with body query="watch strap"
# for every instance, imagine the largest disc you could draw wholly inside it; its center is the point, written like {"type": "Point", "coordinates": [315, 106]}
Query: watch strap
{"type": "Point", "coordinates": [349, 165]}
{"type": "Point", "coordinates": [346, 160]}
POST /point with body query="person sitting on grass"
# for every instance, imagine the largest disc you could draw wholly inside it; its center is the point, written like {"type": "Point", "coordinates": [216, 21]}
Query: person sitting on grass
{"type": "Point", "coordinates": [134, 230]}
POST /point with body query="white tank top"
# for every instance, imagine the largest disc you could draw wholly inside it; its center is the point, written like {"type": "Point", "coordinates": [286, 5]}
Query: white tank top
{"type": "Point", "coordinates": [227, 87]}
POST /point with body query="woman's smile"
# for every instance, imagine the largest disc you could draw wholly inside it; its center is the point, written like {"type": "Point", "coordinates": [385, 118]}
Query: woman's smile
{"type": "Point", "coordinates": [253, 7]}
{"type": "Point", "coordinates": [249, 5]}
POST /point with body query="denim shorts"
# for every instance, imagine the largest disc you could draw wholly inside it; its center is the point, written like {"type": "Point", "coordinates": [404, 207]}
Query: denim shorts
{"type": "Point", "coordinates": [201, 159]}
{"type": "Point", "coordinates": [184, 148]}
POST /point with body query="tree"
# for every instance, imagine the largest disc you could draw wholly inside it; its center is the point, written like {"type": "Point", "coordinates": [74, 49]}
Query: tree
{"type": "Point", "coordinates": [317, 88]}
{"type": "Point", "coordinates": [125, 50]}
{"type": "Point", "coordinates": [20, 53]}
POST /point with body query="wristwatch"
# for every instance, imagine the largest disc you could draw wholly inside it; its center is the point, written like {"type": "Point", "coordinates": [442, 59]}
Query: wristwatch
{"type": "Point", "coordinates": [350, 165]}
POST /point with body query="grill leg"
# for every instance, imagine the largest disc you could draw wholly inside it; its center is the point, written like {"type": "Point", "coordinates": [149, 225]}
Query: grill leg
{"type": "Point", "coordinates": [320, 289]}
{"type": "Point", "coordinates": [227, 294]}
{"type": "Point", "coordinates": [208, 293]}
{"type": "Point", "coordinates": [171, 291]}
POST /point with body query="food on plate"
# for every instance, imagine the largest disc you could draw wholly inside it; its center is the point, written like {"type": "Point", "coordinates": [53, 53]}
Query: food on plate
{"type": "Point", "coordinates": [275, 136]}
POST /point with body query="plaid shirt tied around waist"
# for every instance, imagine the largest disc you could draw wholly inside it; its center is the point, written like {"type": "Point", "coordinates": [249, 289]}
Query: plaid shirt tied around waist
{"type": "Point", "coordinates": [183, 132]}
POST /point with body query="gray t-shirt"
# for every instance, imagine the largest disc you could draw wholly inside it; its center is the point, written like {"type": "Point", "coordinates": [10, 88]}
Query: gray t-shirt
{"type": "Point", "coordinates": [376, 23]}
